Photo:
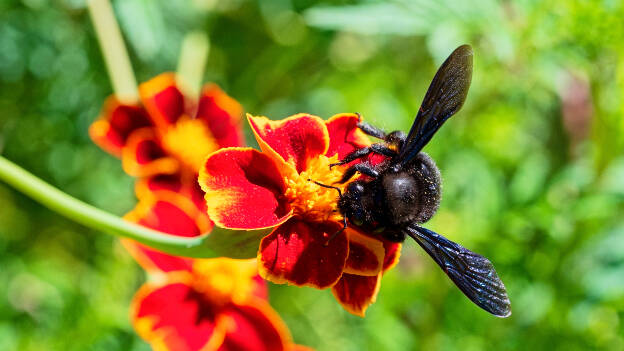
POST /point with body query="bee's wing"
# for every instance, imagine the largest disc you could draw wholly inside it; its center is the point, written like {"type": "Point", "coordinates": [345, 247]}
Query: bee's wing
{"type": "Point", "coordinates": [473, 274]}
{"type": "Point", "coordinates": [444, 98]}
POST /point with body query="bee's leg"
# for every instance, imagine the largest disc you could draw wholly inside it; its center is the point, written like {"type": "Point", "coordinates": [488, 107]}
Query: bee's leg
{"type": "Point", "coordinates": [396, 138]}
{"type": "Point", "coordinates": [371, 130]}
{"type": "Point", "coordinates": [365, 151]}
{"type": "Point", "coordinates": [352, 156]}
{"type": "Point", "coordinates": [344, 227]}
{"type": "Point", "coordinates": [363, 168]}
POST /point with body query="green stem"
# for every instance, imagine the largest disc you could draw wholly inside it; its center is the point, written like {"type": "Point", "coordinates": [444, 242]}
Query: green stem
{"type": "Point", "coordinates": [192, 63]}
{"type": "Point", "coordinates": [220, 243]}
{"type": "Point", "coordinates": [114, 51]}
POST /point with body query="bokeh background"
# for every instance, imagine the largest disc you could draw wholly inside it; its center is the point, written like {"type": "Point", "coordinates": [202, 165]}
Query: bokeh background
{"type": "Point", "coordinates": [533, 165]}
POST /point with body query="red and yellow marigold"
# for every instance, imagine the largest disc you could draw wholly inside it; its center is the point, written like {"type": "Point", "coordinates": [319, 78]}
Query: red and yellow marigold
{"type": "Point", "coordinates": [217, 304]}
{"type": "Point", "coordinates": [164, 139]}
{"type": "Point", "coordinates": [248, 189]}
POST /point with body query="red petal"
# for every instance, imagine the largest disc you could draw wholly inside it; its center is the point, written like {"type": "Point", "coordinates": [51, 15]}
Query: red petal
{"type": "Point", "coordinates": [254, 327]}
{"type": "Point", "coordinates": [155, 261]}
{"type": "Point", "coordinates": [295, 253]}
{"type": "Point", "coordinates": [175, 317]}
{"type": "Point", "coordinates": [222, 114]}
{"type": "Point", "coordinates": [244, 189]}
{"type": "Point", "coordinates": [197, 195]}
{"type": "Point", "coordinates": [366, 255]}
{"type": "Point", "coordinates": [145, 187]}
{"type": "Point", "coordinates": [355, 292]}
{"type": "Point", "coordinates": [183, 183]}
{"type": "Point", "coordinates": [296, 139]}
{"type": "Point", "coordinates": [115, 124]}
{"type": "Point", "coordinates": [143, 155]}
{"type": "Point", "coordinates": [171, 213]}
{"type": "Point", "coordinates": [344, 135]}
{"type": "Point", "coordinates": [393, 252]}
{"type": "Point", "coordinates": [162, 99]}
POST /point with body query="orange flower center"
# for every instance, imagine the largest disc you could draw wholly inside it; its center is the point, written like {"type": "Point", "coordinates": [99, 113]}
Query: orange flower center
{"type": "Point", "coordinates": [190, 141]}
{"type": "Point", "coordinates": [311, 201]}
{"type": "Point", "coordinates": [223, 280]}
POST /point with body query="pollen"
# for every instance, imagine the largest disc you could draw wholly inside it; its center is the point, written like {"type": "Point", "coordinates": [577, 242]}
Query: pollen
{"type": "Point", "coordinates": [311, 201]}
{"type": "Point", "coordinates": [223, 280]}
{"type": "Point", "coordinates": [190, 141]}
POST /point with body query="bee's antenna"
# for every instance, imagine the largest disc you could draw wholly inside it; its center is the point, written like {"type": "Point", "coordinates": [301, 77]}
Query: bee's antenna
{"type": "Point", "coordinates": [344, 227]}
{"type": "Point", "coordinates": [327, 186]}
{"type": "Point", "coordinates": [344, 219]}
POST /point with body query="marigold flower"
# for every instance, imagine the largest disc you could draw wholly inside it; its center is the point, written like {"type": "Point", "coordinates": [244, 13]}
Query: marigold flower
{"type": "Point", "coordinates": [248, 189]}
{"type": "Point", "coordinates": [217, 304]}
{"type": "Point", "coordinates": [165, 139]}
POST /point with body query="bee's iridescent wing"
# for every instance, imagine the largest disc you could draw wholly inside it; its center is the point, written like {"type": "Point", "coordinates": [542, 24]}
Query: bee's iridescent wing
{"type": "Point", "coordinates": [473, 274]}
{"type": "Point", "coordinates": [445, 96]}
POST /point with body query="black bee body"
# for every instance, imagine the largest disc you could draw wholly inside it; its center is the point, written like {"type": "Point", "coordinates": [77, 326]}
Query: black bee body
{"type": "Point", "coordinates": [396, 196]}
{"type": "Point", "coordinates": [394, 200]}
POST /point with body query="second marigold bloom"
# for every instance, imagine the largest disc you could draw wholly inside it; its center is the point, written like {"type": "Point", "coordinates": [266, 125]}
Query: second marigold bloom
{"type": "Point", "coordinates": [216, 304]}
{"type": "Point", "coordinates": [247, 189]}
{"type": "Point", "coordinates": [165, 140]}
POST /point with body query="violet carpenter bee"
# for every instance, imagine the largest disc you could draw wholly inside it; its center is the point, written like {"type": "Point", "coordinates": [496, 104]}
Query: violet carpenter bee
{"type": "Point", "coordinates": [404, 191]}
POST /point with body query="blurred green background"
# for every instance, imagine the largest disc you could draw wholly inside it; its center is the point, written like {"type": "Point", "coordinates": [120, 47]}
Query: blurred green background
{"type": "Point", "coordinates": [533, 165]}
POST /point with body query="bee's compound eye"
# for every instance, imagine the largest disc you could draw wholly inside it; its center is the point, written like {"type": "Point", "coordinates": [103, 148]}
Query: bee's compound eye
{"type": "Point", "coordinates": [355, 187]}
{"type": "Point", "coordinates": [358, 217]}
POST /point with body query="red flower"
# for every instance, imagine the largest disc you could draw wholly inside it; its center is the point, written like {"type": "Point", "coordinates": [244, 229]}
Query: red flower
{"type": "Point", "coordinates": [215, 305]}
{"type": "Point", "coordinates": [248, 189]}
{"type": "Point", "coordinates": [165, 139]}
{"type": "Point", "coordinates": [159, 142]}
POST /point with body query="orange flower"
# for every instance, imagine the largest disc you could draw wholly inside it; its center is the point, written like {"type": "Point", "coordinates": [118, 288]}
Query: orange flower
{"type": "Point", "coordinates": [215, 305]}
{"type": "Point", "coordinates": [165, 139]}
{"type": "Point", "coordinates": [247, 189]}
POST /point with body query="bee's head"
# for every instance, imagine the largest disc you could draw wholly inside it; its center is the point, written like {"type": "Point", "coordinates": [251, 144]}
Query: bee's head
{"type": "Point", "coordinates": [351, 204]}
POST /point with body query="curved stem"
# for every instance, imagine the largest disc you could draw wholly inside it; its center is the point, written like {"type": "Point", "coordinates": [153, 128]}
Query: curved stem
{"type": "Point", "coordinates": [220, 243]}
